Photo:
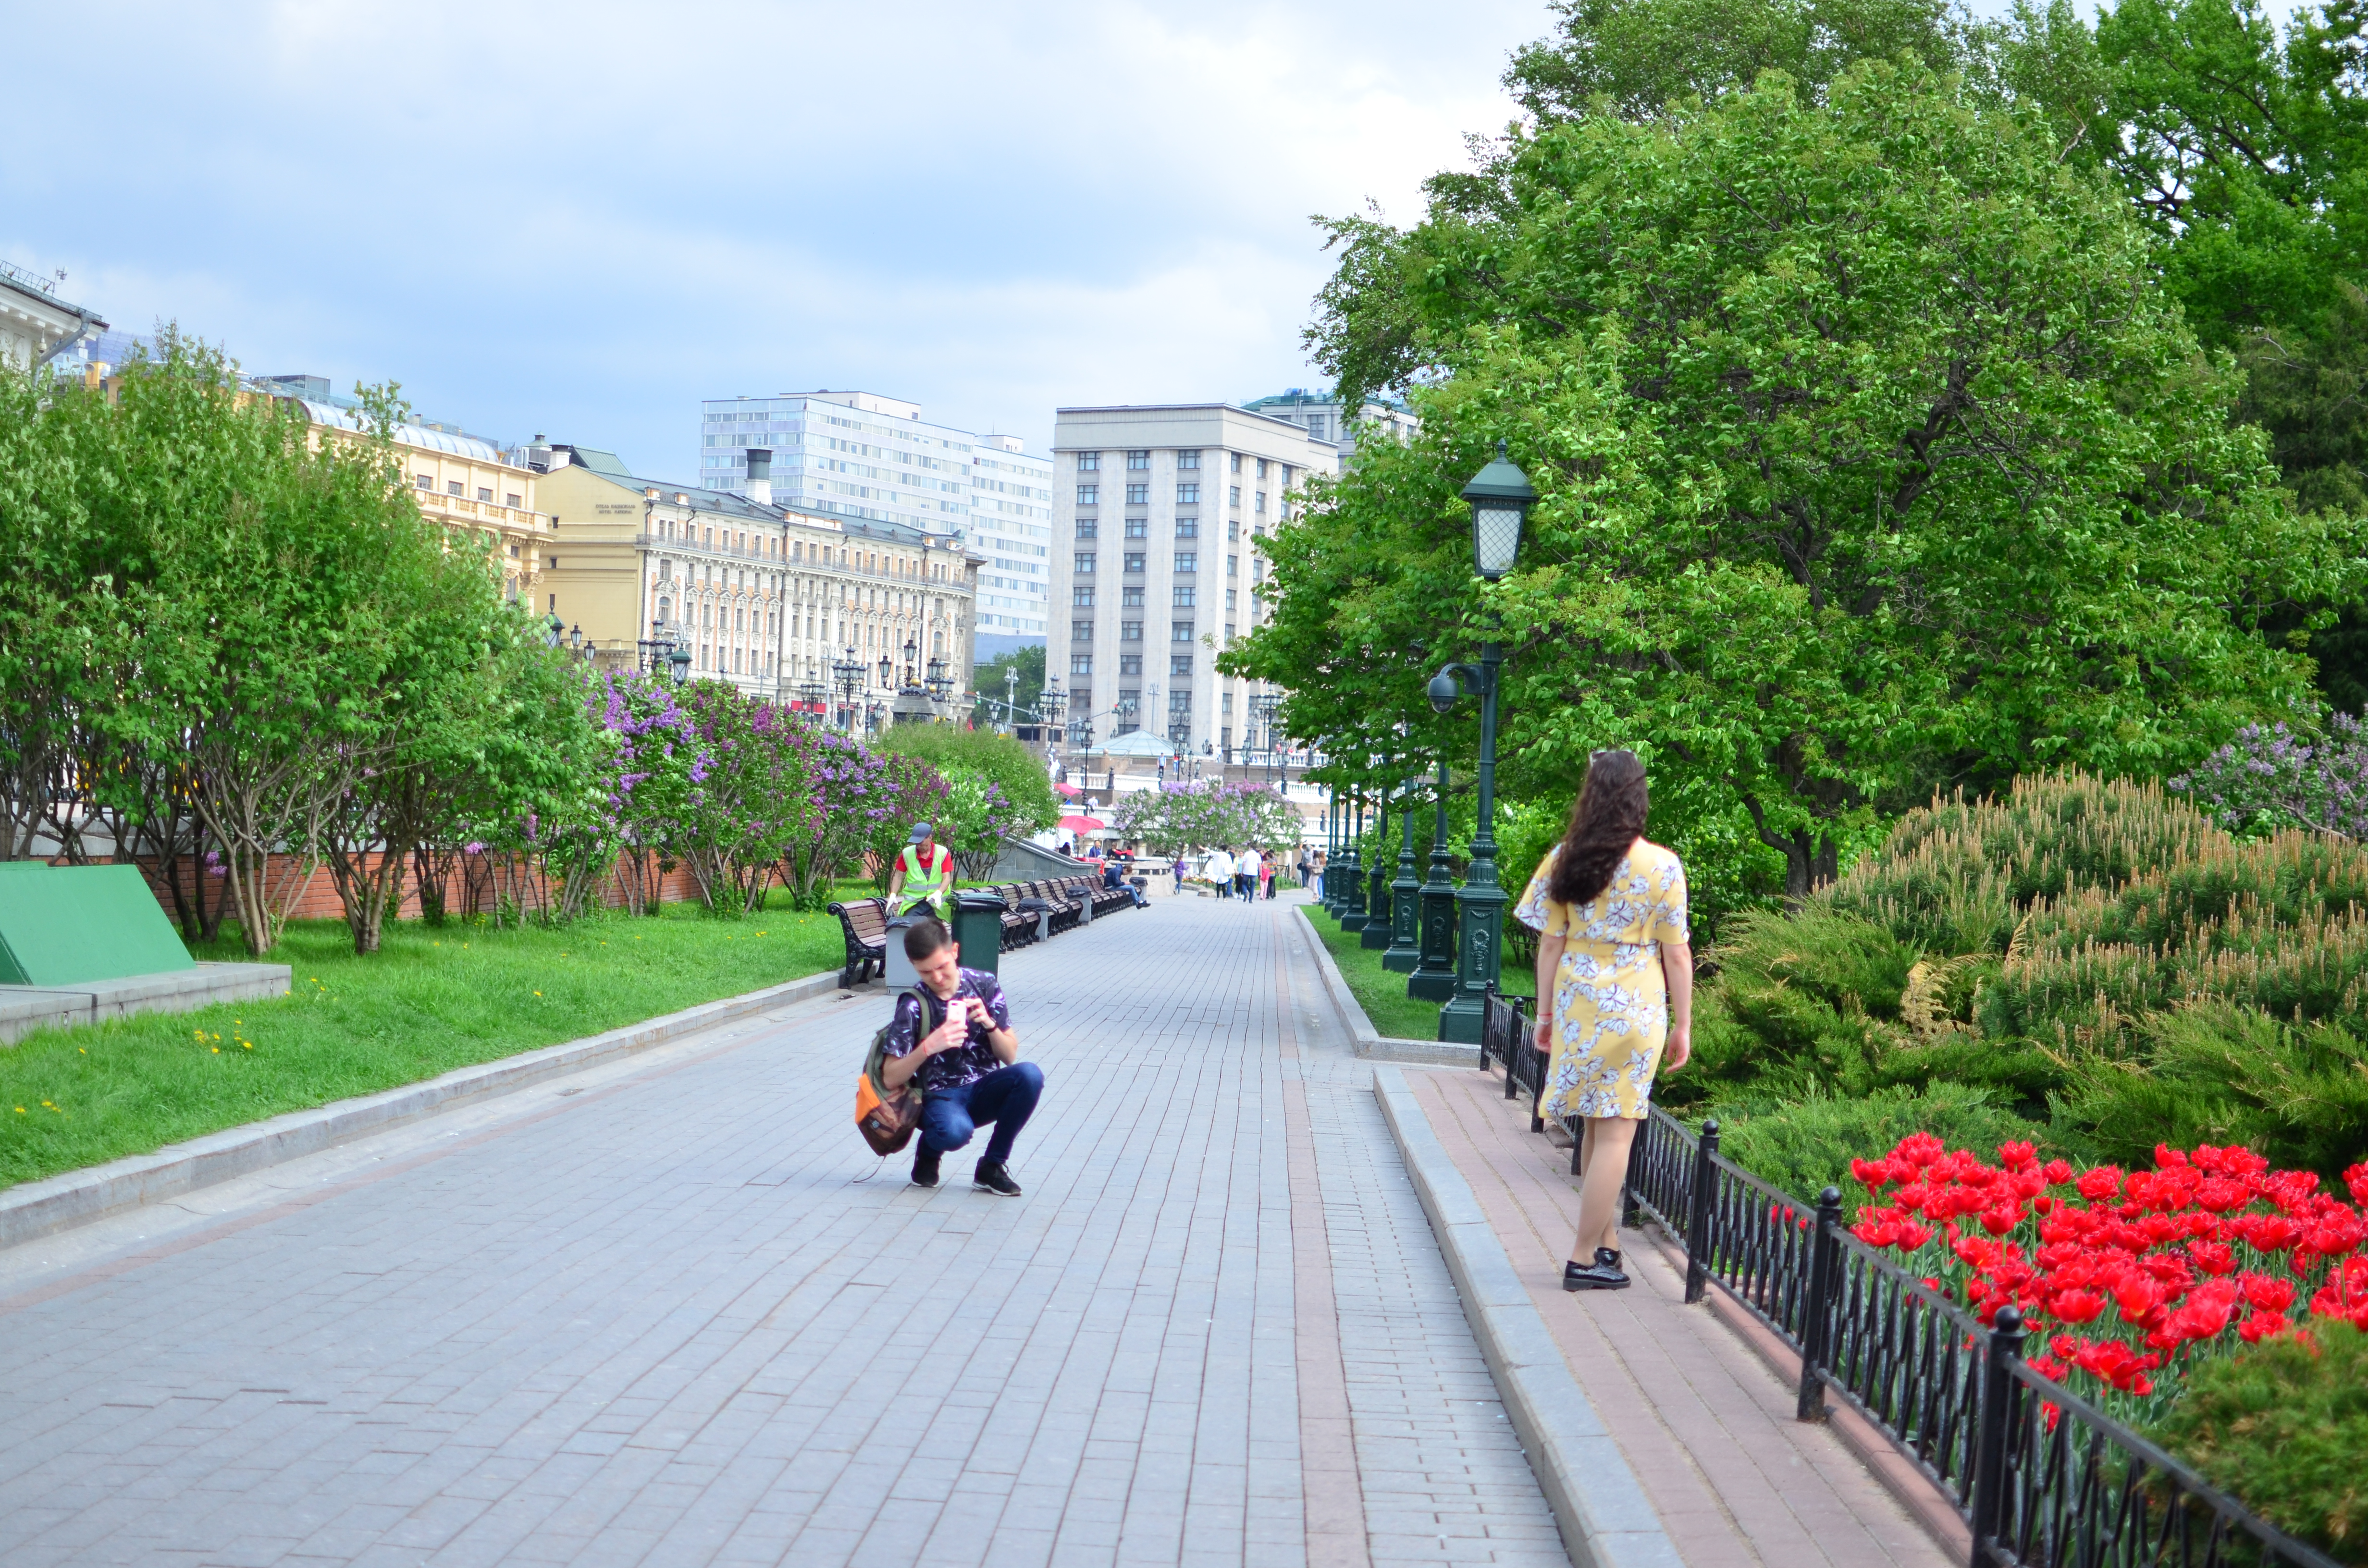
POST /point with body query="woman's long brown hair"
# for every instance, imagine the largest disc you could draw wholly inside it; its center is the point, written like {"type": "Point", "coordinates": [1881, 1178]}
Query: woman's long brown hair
{"type": "Point", "coordinates": [1609, 817]}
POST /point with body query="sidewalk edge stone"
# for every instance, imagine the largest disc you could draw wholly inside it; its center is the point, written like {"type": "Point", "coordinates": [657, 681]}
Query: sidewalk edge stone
{"type": "Point", "coordinates": [1371, 1044]}
{"type": "Point", "coordinates": [38, 1209]}
{"type": "Point", "coordinates": [1605, 1518]}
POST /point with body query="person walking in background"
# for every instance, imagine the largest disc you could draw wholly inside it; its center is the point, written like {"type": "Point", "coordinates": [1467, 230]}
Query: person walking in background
{"type": "Point", "coordinates": [1269, 863]}
{"type": "Point", "coordinates": [1219, 869]}
{"type": "Point", "coordinates": [1616, 991]}
{"type": "Point", "coordinates": [1246, 867]}
{"type": "Point", "coordinates": [1306, 868]}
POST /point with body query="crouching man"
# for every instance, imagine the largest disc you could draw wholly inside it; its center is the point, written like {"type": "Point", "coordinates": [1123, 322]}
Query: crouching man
{"type": "Point", "coordinates": [968, 1066]}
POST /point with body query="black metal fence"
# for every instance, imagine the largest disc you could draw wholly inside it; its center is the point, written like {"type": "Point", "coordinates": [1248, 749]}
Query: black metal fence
{"type": "Point", "coordinates": [2042, 1478]}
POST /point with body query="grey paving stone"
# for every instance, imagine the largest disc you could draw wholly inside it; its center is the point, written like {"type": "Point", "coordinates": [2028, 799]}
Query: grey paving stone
{"type": "Point", "coordinates": [689, 1320]}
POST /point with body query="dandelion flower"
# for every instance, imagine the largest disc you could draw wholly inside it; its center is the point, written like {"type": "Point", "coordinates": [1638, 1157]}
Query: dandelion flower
{"type": "Point", "coordinates": [217, 1051]}
{"type": "Point", "coordinates": [20, 1110]}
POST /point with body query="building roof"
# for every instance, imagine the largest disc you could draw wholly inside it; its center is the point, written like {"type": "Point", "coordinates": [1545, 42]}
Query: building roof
{"type": "Point", "coordinates": [408, 435]}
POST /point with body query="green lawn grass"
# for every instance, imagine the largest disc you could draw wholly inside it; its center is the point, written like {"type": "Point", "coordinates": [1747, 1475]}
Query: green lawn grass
{"type": "Point", "coordinates": [1382, 992]}
{"type": "Point", "coordinates": [433, 999]}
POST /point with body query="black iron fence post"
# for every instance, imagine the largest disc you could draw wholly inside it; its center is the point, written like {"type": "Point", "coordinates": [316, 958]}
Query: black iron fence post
{"type": "Point", "coordinates": [1630, 1215]}
{"type": "Point", "coordinates": [1998, 1388]}
{"type": "Point", "coordinates": [1816, 1313]}
{"type": "Point", "coordinates": [1700, 1213]}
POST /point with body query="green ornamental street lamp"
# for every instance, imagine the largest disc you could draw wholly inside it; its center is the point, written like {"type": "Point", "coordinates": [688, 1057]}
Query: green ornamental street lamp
{"type": "Point", "coordinates": [1433, 979]}
{"type": "Point", "coordinates": [1501, 496]}
{"type": "Point", "coordinates": [1405, 893]}
{"type": "Point", "coordinates": [1329, 893]}
{"type": "Point", "coordinates": [1352, 872]}
{"type": "Point", "coordinates": [1375, 893]}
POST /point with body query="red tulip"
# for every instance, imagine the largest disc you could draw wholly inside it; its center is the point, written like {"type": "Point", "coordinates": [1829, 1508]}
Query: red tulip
{"type": "Point", "coordinates": [2260, 1325]}
{"type": "Point", "coordinates": [2165, 1156]}
{"type": "Point", "coordinates": [2267, 1294]}
{"type": "Point", "coordinates": [2137, 1297]}
{"type": "Point", "coordinates": [2102, 1183]}
{"type": "Point", "coordinates": [2018, 1156]}
{"type": "Point", "coordinates": [2213, 1257]}
{"type": "Point", "coordinates": [2355, 1180]}
{"type": "Point", "coordinates": [2077, 1306]}
{"type": "Point", "coordinates": [1998, 1221]}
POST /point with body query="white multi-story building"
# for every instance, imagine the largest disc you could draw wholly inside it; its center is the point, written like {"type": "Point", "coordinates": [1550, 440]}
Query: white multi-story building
{"type": "Point", "coordinates": [1011, 528]}
{"type": "Point", "coordinates": [861, 456]}
{"type": "Point", "coordinates": [1159, 510]}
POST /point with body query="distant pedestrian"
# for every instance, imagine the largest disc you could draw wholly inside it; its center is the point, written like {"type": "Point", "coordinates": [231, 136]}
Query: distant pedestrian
{"type": "Point", "coordinates": [1268, 864]}
{"type": "Point", "coordinates": [1306, 868]}
{"type": "Point", "coordinates": [1246, 874]}
{"type": "Point", "coordinates": [1219, 869]}
{"type": "Point", "coordinates": [927, 867]}
{"type": "Point", "coordinates": [1616, 991]}
{"type": "Point", "coordinates": [968, 1065]}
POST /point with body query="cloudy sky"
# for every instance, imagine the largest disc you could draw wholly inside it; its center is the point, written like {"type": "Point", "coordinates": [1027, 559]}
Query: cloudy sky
{"type": "Point", "coordinates": [581, 220]}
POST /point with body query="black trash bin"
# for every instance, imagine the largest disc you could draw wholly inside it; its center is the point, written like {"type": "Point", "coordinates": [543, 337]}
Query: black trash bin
{"type": "Point", "coordinates": [978, 928]}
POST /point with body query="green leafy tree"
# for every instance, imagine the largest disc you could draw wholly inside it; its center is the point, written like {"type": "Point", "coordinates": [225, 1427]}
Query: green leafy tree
{"type": "Point", "coordinates": [993, 679]}
{"type": "Point", "coordinates": [1871, 458]}
{"type": "Point", "coordinates": [1029, 805]}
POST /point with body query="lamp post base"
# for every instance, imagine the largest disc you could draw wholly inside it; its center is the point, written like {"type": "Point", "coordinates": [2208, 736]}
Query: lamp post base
{"type": "Point", "coordinates": [1430, 985]}
{"type": "Point", "coordinates": [1462, 1021]}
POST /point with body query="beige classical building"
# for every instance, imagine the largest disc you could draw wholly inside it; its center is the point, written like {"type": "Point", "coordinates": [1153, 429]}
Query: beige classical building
{"type": "Point", "coordinates": [802, 607]}
{"type": "Point", "coordinates": [1158, 511]}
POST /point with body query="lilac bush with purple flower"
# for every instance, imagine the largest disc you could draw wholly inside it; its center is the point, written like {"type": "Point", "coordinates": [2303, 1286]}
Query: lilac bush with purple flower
{"type": "Point", "coordinates": [2269, 779]}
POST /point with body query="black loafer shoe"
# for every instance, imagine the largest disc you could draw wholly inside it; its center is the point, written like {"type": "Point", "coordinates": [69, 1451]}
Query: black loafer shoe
{"type": "Point", "coordinates": [1607, 1257]}
{"type": "Point", "coordinates": [925, 1168]}
{"type": "Point", "coordinates": [993, 1179]}
{"type": "Point", "coordinates": [1592, 1276]}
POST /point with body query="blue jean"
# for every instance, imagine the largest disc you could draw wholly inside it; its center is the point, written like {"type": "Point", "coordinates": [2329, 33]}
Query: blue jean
{"type": "Point", "coordinates": [1005, 1097]}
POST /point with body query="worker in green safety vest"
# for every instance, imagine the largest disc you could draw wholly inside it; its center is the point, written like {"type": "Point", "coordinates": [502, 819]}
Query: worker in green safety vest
{"type": "Point", "coordinates": [924, 864]}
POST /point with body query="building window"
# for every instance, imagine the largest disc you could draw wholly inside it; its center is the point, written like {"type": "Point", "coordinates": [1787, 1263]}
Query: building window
{"type": "Point", "coordinates": [1082, 696]}
{"type": "Point", "coordinates": [517, 501]}
{"type": "Point", "coordinates": [1188, 496]}
{"type": "Point", "coordinates": [1229, 598]}
{"type": "Point", "coordinates": [1184, 596]}
{"type": "Point", "coordinates": [1138, 528]}
{"type": "Point", "coordinates": [1081, 632]}
{"type": "Point", "coordinates": [425, 481]}
{"type": "Point", "coordinates": [1133, 562]}
{"type": "Point", "coordinates": [1089, 462]}
{"type": "Point", "coordinates": [1138, 459]}
{"type": "Point", "coordinates": [1081, 663]}
{"type": "Point", "coordinates": [1259, 502]}
{"type": "Point", "coordinates": [1181, 701]}
{"type": "Point", "coordinates": [1233, 528]}
{"type": "Point", "coordinates": [452, 487]}
{"type": "Point", "coordinates": [1186, 561]}
{"type": "Point", "coordinates": [1232, 494]}
{"type": "Point", "coordinates": [1081, 598]}
{"type": "Point", "coordinates": [1179, 631]}
{"type": "Point", "coordinates": [1262, 462]}
{"type": "Point", "coordinates": [1130, 664]}
{"type": "Point", "coordinates": [1226, 703]}
{"type": "Point", "coordinates": [484, 494]}
{"type": "Point", "coordinates": [1138, 495]}
{"type": "Point", "coordinates": [1130, 597]}
{"type": "Point", "coordinates": [1188, 460]}
{"type": "Point", "coordinates": [1179, 664]}
{"type": "Point", "coordinates": [1089, 494]}
{"type": "Point", "coordinates": [1085, 565]}
{"type": "Point", "coordinates": [1130, 631]}
{"type": "Point", "coordinates": [1233, 565]}
{"type": "Point", "coordinates": [1088, 528]}
{"type": "Point", "coordinates": [1188, 528]}
{"type": "Point", "coordinates": [1237, 462]}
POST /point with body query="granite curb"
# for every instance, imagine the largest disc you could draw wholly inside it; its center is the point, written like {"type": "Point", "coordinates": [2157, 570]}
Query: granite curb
{"type": "Point", "coordinates": [1371, 1044]}
{"type": "Point", "coordinates": [60, 1202]}
{"type": "Point", "coordinates": [1606, 1521]}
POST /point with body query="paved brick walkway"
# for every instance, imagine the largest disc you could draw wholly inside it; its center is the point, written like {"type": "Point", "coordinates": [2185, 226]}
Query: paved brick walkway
{"type": "Point", "coordinates": [662, 1316]}
{"type": "Point", "coordinates": [1709, 1430]}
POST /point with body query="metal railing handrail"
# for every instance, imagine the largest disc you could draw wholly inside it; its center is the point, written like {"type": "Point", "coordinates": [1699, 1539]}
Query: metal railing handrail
{"type": "Point", "coordinates": [1953, 1397]}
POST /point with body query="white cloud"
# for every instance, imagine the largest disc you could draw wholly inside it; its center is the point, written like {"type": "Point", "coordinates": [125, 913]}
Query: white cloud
{"type": "Point", "coordinates": [583, 220]}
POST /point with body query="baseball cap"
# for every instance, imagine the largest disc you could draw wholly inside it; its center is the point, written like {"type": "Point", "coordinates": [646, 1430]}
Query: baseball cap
{"type": "Point", "coordinates": [923, 832]}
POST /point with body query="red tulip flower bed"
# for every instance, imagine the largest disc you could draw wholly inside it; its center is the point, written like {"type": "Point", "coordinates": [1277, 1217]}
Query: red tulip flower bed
{"type": "Point", "coordinates": [2124, 1277]}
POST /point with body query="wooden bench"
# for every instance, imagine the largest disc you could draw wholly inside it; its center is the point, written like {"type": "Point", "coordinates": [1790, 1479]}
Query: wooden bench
{"type": "Point", "coordinates": [1062, 901]}
{"type": "Point", "coordinates": [865, 922]}
{"type": "Point", "coordinates": [1108, 900]}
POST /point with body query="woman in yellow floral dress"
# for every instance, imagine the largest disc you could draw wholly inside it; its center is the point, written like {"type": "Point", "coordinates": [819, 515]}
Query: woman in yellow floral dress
{"type": "Point", "coordinates": [1616, 991]}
